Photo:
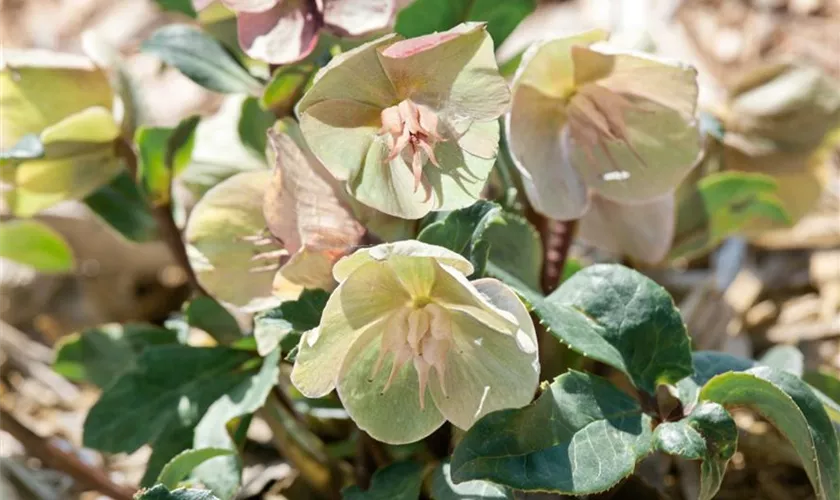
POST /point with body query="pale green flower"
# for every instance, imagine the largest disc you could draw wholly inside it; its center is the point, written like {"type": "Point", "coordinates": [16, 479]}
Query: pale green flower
{"type": "Point", "coordinates": [409, 343]}
{"type": "Point", "coordinates": [410, 125]}
{"type": "Point", "coordinates": [587, 119]}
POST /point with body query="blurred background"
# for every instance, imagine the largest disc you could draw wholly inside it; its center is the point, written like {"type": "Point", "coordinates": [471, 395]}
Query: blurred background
{"type": "Point", "coordinates": [772, 293]}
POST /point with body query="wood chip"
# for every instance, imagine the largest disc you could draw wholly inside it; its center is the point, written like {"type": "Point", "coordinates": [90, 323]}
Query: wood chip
{"type": "Point", "coordinates": [800, 309]}
{"type": "Point", "coordinates": [824, 266]}
{"type": "Point", "coordinates": [744, 291]}
{"type": "Point", "coordinates": [798, 332]}
{"type": "Point", "coordinates": [763, 312]}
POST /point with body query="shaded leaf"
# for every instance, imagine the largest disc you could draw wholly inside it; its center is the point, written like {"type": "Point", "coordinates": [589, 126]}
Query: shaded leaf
{"type": "Point", "coordinates": [160, 492]}
{"type": "Point", "coordinates": [201, 59]}
{"type": "Point", "coordinates": [254, 123]}
{"type": "Point", "coordinates": [791, 407]}
{"type": "Point", "coordinates": [165, 447]}
{"type": "Point", "coordinates": [180, 467]}
{"type": "Point", "coordinates": [163, 153]}
{"type": "Point", "coordinates": [286, 87]}
{"type": "Point", "coordinates": [827, 388]}
{"type": "Point", "coordinates": [121, 204]}
{"type": "Point", "coordinates": [35, 244]}
{"type": "Point", "coordinates": [786, 358]}
{"type": "Point", "coordinates": [427, 16]}
{"type": "Point", "coordinates": [709, 434]}
{"type": "Point", "coordinates": [443, 488]}
{"type": "Point", "coordinates": [183, 6]}
{"type": "Point", "coordinates": [208, 315]}
{"type": "Point", "coordinates": [293, 317]}
{"type": "Point", "coordinates": [399, 481]}
{"type": "Point", "coordinates": [515, 247]}
{"type": "Point", "coordinates": [558, 443]}
{"type": "Point", "coordinates": [100, 355]}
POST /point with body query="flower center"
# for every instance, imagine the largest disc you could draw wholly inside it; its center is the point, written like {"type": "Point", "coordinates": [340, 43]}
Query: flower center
{"type": "Point", "coordinates": [422, 335]}
{"type": "Point", "coordinates": [411, 129]}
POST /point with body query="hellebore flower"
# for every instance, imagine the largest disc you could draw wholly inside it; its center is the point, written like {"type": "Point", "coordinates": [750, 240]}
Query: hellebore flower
{"type": "Point", "coordinates": [585, 119]}
{"type": "Point", "coordinates": [409, 124]}
{"type": "Point", "coordinates": [286, 31]}
{"type": "Point", "coordinates": [409, 343]}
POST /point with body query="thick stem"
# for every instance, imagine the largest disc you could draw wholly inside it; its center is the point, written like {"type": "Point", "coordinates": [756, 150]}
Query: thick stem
{"type": "Point", "coordinates": [557, 240]}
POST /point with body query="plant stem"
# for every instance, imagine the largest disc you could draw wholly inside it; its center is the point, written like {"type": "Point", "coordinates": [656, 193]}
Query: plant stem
{"type": "Point", "coordinates": [557, 240]}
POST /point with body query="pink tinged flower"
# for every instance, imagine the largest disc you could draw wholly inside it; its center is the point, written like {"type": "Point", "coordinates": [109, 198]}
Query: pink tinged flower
{"type": "Point", "coordinates": [585, 119]}
{"type": "Point", "coordinates": [286, 31]}
{"type": "Point", "coordinates": [409, 342]}
{"type": "Point", "coordinates": [410, 125]}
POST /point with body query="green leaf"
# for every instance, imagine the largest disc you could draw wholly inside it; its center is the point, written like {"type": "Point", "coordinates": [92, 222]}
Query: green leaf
{"type": "Point", "coordinates": [463, 231]}
{"type": "Point", "coordinates": [207, 314]}
{"type": "Point", "coordinates": [160, 492]}
{"type": "Point", "coordinates": [163, 153]}
{"type": "Point", "coordinates": [180, 467]}
{"type": "Point", "coordinates": [121, 204]}
{"type": "Point", "coordinates": [28, 147]}
{"type": "Point", "coordinates": [182, 6]}
{"type": "Point", "coordinates": [444, 489]}
{"type": "Point", "coordinates": [170, 386]}
{"type": "Point", "coordinates": [286, 87]}
{"type": "Point", "coordinates": [622, 318]}
{"type": "Point", "coordinates": [289, 321]}
{"type": "Point", "coordinates": [708, 364]}
{"type": "Point", "coordinates": [100, 355]}
{"type": "Point", "coordinates": [786, 358]}
{"type": "Point", "coordinates": [582, 436]}
{"type": "Point", "coordinates": [165, 447]}
{"type": "Point", "coordinates": [427, 16]}
{"type": "Point", "coordinates": [399, 481]}
{"type": "Point", "coordinates": [721, 205]}
{"type": "Point", "coordinates": [827, 387]}
{"type": "Point", "coordinates": [515, 247]}
{"type": "Point", "coordinates": [254, 122]}
{"type": "Point", "coordinates": [201, 59]}
{"type": "Point", "coordinates": [791, 406]}
{"type": "Point", "coordinates": [35, 244]}
{"type": "Point", "coordinates": [709, 434]}
{"type": "Point", "coordinates": [223, 475]}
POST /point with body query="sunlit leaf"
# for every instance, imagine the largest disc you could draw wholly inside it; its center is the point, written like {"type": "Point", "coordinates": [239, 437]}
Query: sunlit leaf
{"type": "Point", "coordinates": [34, 244]}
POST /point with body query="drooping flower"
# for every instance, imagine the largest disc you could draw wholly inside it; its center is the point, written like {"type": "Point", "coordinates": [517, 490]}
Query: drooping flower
{"type": "Point", "coordinates": [286, 31]}
{"type": "Point", "coordinates": [410, 125]}
{"type": "Point", "coordinates": [409, 342]}
{"type": "Point", "coordinates": [586, 119]}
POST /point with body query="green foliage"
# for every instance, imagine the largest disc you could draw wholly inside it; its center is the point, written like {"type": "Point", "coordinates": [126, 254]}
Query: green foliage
{"type": "Point", "coordinates": [399, 481]}
{"type": "Point", "coordinates": [183, 463]}
{"type": "Point", "coordinates": [207, 314]}
{"type": "Point", "coordinates": [254, 122]}
{"type": "Point", "coordinates": [791, 406]}
{"type": "Point", "coordinates": [428, 16]}
{"type": "Point", "coordinates": [827, 388]}
{"type": "Point", "coordinates": [558, 443]}
{"type": "Point", "coordinates": [785, 358]}
{"type": "Point", "coordinates": [286, 87]}
{"type": "Point", "coordinates": [100, 355]}
{"type": "Point", "coordinates": [200, 58]}
{"type": "Point", "coordinates": [34, 244]}
{"type": "Point", "coordinates": [163, 153]}
{"type": "Point", "coordinates": [161, 492]}
{"type": "Point", "coordinates": [443, 488]}
{"type": "Point", "coordinates": [709, 434]}
{"type": "Point", "coordinates": [183, 6]}
{"type": "Point", "coordinates": [515, 246]}
{"type": "Point", "coordinates": [723, 204]}
{"type": "Point", "coordinates": [121, 204]}
{"type": "Point", "coordinates": [284, 324]}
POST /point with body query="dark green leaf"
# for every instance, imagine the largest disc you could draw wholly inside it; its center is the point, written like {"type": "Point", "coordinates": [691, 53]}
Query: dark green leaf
{"type": "Point", "coordinates": [515, 247]}
{"type": "Point", "coordinates": [160, 492]}
{"type": "Point", "coordinates": [224, 474]}
{"type": "Point", "coordinates": [180, 467]}
{"type": "Point", "coordinates": [289, 320]}
{"type": "Point", "coordinates": [201, 58]}
{"type": "Point", "coordinates": [791, 406]}
{"type": "Point", "coordinates": [208, 315]}
{"type": "Point", "coordinates": [786, 358]}
{"type": "Point", "coordinates": [29, 147]}
{"type": "Point", "coordinates": [582, 436]}
{"type": "Point", "coordinates": [444, 489]}
{"type": "Point", "coordinates": [622, 318]}
{"type": "Point", "coordinates": [100, 355]}
{"type": "Point", "coordinates": [253, 124]}
{"type": "Point", "coordinates": [35, 244]}
{"type": "Point", "coordinates": [121, 204]}
{"type": "Point", "coordinates": [165, 447]}
{"type": "Point", "coordinates": [163, 153]}
{"type": "Point", "coordinates": [400, 481]}
{"type": "Point", "coordinates": [427, 16]}
{"type": "Point", "coordinates": [709, 434]}
{"type": "Point", "coordinates": [827, 387]}
{"type": "Point", "coordinates": [182, 6]}
{"type": "Point", "coordinates": [708, 364]}
{"type": "Point", "coordinates": [170, 386]}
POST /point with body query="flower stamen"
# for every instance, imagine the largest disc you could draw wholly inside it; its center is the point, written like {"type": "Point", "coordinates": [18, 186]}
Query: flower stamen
{"type": "Point", "coordinates": [411, 128]}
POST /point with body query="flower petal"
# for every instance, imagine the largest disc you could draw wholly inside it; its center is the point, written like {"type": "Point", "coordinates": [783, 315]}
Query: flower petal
{"type": "Point", "coordinates": [454, 292]}
{"type": "Point", "coordinates": [355, 75]}
{"type": "Point", "coordinates": [247, 5]}
{"type": "Point", "coordinates": [359, 304]}
{"type": "Point", "coordinates": [461, 178]}
{"type": "Point", "coordinates": [358, 17]}
{"type": "Point", "coordinates": [389, 186]}
{"type": "Point", "coordinates": [310, 269]}
{"type": "Point", "coordinates": [408, 248]}
{"type": "Point", "coordinates": [454, 71]}
{"type": "Point", "coordinates": [486, 371]}
{"type": "Point", "coordinates": [643, 231]}
{"type": "Point", "coordinates": [533, 128]}
{"type": "Point", "coordinates": [220, 235]}
{"type": "Point", "coordinates": [393, 416]}
{"type": "Point", "coordinates": [340, 133]}
{"type": "Point", "coordinates": [285, 33]}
